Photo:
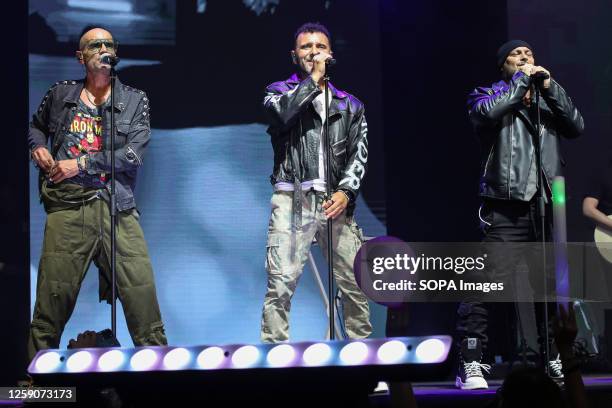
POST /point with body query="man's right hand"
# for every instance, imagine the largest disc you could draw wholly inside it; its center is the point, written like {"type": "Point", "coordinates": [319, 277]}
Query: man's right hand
{"type": "Point", "coordinates": [43, 158]}
{"type": "Point", "coordinates": [319, 66]}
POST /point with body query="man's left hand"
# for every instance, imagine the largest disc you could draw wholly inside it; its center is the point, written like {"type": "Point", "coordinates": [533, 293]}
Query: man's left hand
{"type": "Point", "coordinates": [334, 207]}
{"type": "Point", "coordinates": [536, 69]}
{"type": "Point", "coordinates": [64, 169]}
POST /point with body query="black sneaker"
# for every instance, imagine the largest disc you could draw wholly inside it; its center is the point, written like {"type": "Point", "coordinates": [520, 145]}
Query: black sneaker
{"type": "Point", "coordinates": [470, 375]}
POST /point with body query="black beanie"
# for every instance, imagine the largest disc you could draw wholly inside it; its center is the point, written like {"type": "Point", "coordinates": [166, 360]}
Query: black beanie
{"type": "Point", "coordinates": [505, 49]}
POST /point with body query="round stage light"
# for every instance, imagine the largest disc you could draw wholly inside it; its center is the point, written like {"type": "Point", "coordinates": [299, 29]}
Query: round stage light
{"type": "Point", "coordinates": [392, 352]}
{"type": "Point", "coordinates": [354, 353]}
{"type": "Point", "coordinates": [111, 360]}
{"type": "Point", "coordinates": [245, 356]}
{"type": "Point", "coordinates": [177, 358]}
{"type": "Point", "coordinates": [430, 351]}
{"type": "Point", "coordinates": [211, 357]}
{"type": "Point", "coordinates": [79, 361]}
{"type": "Point", "coordinates": [143, 360]}
{"type": "Point", "coordinates": [317, 354]}
{"type": "Point", "coordinates": [48, 362]}
{"type": "Point", "coordinates": [281, 355]}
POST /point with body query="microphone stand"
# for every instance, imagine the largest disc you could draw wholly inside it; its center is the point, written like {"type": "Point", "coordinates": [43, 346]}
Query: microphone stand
{"type": "Point", "coordinates": [542, 215]}
{"type": "Point", "coordinates": [113, 209]}
{"type": "Point", "coordinates": [328, 181]}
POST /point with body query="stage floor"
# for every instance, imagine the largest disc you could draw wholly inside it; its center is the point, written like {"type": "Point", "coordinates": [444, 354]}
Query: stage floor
{"type": "Point", "coordinates": [444, 394]}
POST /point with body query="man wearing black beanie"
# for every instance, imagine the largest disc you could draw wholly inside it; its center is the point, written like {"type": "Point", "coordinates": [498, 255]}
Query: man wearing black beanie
{"type": "Point", "coordinates": [504, 117]}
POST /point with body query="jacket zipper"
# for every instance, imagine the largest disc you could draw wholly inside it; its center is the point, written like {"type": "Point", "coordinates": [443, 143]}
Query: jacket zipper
{"type": "Point", "coordinates": [487, 162]}
{"type": "Point", "coordinates": [511, 147]}
{"type": "Point", "coordinates": [541, 140]}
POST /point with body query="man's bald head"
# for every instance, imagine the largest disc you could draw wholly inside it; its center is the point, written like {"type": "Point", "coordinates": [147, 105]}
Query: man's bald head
{"type": "Point", "coordinates": [95, 33]}
{"type": "Point", "coordinates": [94, 43]}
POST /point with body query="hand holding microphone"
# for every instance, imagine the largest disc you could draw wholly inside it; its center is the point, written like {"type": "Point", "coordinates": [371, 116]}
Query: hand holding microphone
{"type": "Point", "coordinates": [541, 76]}
{"type": "Point", "coordinates": [537, 73]}
{"type": "Point", "coordinates": [320, 62]}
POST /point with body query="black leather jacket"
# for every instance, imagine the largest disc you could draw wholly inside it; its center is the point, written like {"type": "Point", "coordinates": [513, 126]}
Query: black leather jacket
{"type": "Point", "coordinates": [52, 121]}
{"type": "Point", "coordinates": [506, 131]}
{"type": "Point", "coordinates": [295, 131]}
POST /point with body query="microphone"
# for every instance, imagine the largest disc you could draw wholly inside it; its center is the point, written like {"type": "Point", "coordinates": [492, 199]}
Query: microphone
{"type": "Point", "coordinates": [111, 60]}
{"type": "Point", "coordinates": [329, 62]}
{"type": "Point", "coordinates": [540, 75]}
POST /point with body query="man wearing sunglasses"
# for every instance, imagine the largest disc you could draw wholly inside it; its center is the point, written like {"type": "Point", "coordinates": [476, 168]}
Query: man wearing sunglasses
{"type": "Point", "coordinates": [69, 138]}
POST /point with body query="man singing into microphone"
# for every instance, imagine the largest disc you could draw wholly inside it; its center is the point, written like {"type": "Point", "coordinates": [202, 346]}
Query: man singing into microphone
{"type": "Point", "coordinates": [69, 139]}
{"type": "Point", "coordinates": [296, 113]}
{"type": "Point", "coordinates": [505, 117]}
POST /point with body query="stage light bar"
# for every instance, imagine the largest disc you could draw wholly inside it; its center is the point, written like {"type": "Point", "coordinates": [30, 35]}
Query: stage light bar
{"type": "Point", "coordinates": [317, 354]}
{"type": "Point", "coordinates": [111, 360]}
{"type": "Point", "coordinates": [353, 353]}
{"type": "Point", "coordinates": [431, 351]}
{"type": "Point", "coordinates": [366, 352]}
{"type": "Point", "coordinates": [211, 357]}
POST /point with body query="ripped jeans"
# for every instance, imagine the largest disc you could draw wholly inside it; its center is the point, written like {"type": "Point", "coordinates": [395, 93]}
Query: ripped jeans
{"type": "Point", "coordinates": [74, 237]}
{"type": "Point", "coordinates": [287, 252]}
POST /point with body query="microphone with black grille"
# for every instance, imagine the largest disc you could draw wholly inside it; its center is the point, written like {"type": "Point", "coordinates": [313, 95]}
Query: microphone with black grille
{"type": "Point", "coordinates": [109, 59]}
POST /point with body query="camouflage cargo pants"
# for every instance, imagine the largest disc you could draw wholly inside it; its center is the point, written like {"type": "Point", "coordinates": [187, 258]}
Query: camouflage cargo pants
{"type": "Point", "coordinates": [287, 251]}
{"type": "Point", "coordinates": [73, 238]}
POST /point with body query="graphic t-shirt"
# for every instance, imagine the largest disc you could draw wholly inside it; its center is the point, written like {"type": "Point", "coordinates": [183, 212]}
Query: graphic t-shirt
{"type": "Point", "coordinates": [85, 136]}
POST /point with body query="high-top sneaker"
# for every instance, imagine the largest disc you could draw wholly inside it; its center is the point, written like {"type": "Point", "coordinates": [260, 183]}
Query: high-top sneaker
{"type": "Point", "coordinates": [555, 369]}
{"type": "Point", "coordinates": [470, 375]}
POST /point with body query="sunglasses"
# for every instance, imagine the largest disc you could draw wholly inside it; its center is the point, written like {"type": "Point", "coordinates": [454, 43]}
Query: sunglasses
{"type": "Point", "coordinates": [96, 45]}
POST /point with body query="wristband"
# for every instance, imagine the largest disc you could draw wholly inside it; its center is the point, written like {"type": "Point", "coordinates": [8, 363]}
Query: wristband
{"type": "Point", "coordinates": [348, 198]}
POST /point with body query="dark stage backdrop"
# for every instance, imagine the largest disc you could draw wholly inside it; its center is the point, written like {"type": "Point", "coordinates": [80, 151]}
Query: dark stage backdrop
{"type": "Point", "coordinates": [14, 234]}
{"type": "Point", "coordinates": [434, 53]}
{"type": "Point", "coordinates": [204, 189]}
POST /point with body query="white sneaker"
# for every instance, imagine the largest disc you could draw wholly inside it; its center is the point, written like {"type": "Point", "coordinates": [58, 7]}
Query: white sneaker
{"type": "Point", "coordinates": [381, 387]}
{"type": "Point", "coordinates": [470, 376]}
{"type": "Point", "coordinates": [555, 369]}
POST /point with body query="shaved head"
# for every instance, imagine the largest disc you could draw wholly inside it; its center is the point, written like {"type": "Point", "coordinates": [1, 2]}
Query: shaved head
{"type": "Point", "coordinates": [93, 34]}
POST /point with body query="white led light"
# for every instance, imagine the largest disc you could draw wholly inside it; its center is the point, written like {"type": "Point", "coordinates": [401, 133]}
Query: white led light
{"type": "Point", "coordinates": [430, 351]}
{"type": "Point", "coordinates": [111, 360]}
{"type": "Point", "coordinates": [79, 361]}
{"type": "Point", "coordinates": [317, 354]}
{"type": "Point", "coordinates": [392, 352]}
{"type": "Point", "coordinates": [143, 360]}
{"type": "Point", "coordinates": [48, 362]}
{"type": "Point", "coordinates": [245, 356]}
{"type": "Point", "coordinates": [281, 355]}
{"type": "Point", "coordinates": [354, 353]}
{"type": "Point", "coordinates": [177, 359]}
{"type": "Point", "coordinates": [211, 357]}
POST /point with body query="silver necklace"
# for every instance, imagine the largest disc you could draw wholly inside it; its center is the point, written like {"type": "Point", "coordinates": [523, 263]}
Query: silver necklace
{"type": "Point", "coordinates": [87, 93]}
